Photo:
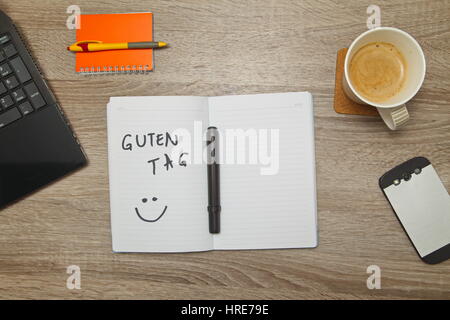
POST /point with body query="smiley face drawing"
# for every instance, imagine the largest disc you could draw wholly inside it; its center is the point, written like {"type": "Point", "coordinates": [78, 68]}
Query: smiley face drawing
{"type": "Point", "coordinates": [146, 201]}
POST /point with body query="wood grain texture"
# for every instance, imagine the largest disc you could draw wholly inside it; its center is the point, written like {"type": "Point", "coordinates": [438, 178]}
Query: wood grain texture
{"type": "Point", "coordinates": [235, 47]}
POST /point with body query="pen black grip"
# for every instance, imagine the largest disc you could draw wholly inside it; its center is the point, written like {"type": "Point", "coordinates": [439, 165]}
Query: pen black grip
{"type": "Point", "coordinates": [213, 185]}
{"type": "Point", "coordinates": [214, 219]}
{"type": "Point", "coordinates": [214, 197]}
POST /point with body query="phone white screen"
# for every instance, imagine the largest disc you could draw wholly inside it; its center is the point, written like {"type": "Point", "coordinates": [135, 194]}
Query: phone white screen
{"type": "Point", "coordinates": [422, 204]}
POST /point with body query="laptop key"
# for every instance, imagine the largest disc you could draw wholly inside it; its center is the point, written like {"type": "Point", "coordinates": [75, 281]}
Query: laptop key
{"type": "Point", "coordinates": [9, 116]}
{"type": "Point", "coordinates": [18, 95]}
{"type": "Point", "coordinates": [2, 56]}
{"type": "Point", "coordinates": [10, 50]}
{"type": "Point", "coordinates": [20, 69]}
{"type": "Point", "coordinates": [5, 70]}
{"type": "Point", "coordinates": [11, 82]}
{"type": "Point", "coordinates": [34, 95]}
{"type": "Point", "coordinates": [26, 108]}
{"type": "Point", "coordinates": [4, 39]}
{"type": "Point", "coordinates": [6, 102]}
{"type": "Point", "coordinates": [2, 88]}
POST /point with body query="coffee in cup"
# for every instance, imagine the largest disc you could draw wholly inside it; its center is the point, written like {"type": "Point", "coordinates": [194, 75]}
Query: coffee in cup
{"type": "Point", "coordinates": [378, 71]}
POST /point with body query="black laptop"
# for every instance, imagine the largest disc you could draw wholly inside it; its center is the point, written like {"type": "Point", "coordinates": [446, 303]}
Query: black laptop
{"type": "Point", "coordinates": [37, 144]}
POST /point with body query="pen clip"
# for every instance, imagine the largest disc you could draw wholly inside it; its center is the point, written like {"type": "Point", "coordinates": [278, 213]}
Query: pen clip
{"type": "Point", "coordinates": [84, 44]}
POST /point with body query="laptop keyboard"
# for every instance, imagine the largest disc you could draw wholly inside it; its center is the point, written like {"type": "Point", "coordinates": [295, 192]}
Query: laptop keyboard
{"type": "Point", "coordinates": [19, 95]}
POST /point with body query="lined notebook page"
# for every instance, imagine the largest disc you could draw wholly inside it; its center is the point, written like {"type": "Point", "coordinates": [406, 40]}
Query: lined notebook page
{"type": "Point", "coordinates": [268, 211]}
{"type": "Point", "coordinates": [184, 225]}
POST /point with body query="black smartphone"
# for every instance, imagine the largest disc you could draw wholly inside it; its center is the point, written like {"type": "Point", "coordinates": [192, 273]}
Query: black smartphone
{"type": "Point", "coordinates": [422, 205]}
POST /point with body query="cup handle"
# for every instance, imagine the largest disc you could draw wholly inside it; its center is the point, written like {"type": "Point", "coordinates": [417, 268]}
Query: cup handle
{"type": "Point", "coordinates": [394, 117]}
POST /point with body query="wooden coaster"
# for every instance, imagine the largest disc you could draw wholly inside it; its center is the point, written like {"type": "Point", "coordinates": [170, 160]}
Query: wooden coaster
{"type": "Point", "coordinates": [342, 104]}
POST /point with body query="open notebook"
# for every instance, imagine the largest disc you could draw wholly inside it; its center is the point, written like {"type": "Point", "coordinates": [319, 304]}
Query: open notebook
{"type": "Point", "coordinates": [158, 179]}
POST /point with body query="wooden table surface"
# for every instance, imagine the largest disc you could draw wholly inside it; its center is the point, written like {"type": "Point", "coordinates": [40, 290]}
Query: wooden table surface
{"type": "Point", "coordinates": [235, 47]}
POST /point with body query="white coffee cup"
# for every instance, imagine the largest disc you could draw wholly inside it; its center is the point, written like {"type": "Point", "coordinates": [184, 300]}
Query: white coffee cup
{"type": "Point", "coordinates": [392, 111]}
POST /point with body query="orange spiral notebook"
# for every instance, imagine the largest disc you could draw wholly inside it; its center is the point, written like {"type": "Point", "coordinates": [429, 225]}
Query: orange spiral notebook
{"type": "Point", "coordinates": [117, 27]}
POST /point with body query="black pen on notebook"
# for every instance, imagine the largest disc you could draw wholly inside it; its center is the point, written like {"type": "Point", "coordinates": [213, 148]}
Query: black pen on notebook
{"type": "Point", "coordinates": [212, 148]}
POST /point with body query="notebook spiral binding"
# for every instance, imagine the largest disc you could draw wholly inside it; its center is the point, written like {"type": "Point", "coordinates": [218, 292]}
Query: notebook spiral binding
{"type": "Point", "coordinates": [115, 69]}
